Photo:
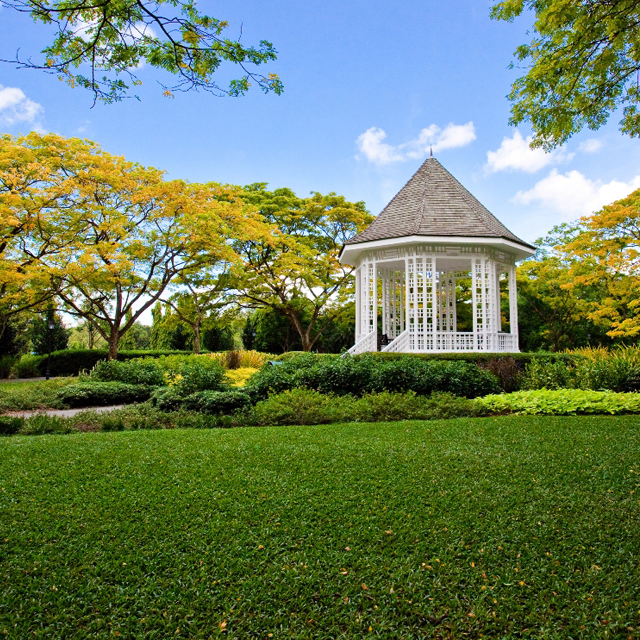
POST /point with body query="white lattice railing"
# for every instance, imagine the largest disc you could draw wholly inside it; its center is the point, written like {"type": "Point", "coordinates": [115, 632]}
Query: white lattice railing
{"type": "Point", "coordinates": [368, 343]}
{"type": "Point", "coordinates": [399, 344]}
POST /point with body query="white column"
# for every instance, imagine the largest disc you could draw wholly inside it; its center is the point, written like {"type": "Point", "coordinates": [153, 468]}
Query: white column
{"type": "Point", "coordinates": [513, 307]}
{"type": "Point", "coordinates": [491, 297]}
{"type": "Point", "coordinates": [358, 302]}
{"type": "Point", "coordinates": [409, 287]}
{"type": "Point", "coordinates": [476, 293]}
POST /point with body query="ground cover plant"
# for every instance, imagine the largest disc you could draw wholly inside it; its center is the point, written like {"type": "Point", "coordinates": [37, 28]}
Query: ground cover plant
{"type": "Point", "coordinates": [500, 527]}
{"type": "Point", "coordinates": [26, 396]}
{"type": "Point", "coordinates": [562, 402]}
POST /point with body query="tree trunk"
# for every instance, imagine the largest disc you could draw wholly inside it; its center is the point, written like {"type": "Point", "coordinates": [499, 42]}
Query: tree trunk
{"type": "Point", "coordinates": [196, 339]}
{"type": "Point", "coordinates": [113, 345]}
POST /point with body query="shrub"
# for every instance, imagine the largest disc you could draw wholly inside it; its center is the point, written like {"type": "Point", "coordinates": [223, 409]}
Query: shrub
{"type": "Point", "coordinates": [217, 402]}
{"type": "Point", "coordinates": [10, 425]}
{"type": "Point", "coordinates": [507, 370]}
{"type": "Point", "coordinates": [252, 359]}
{"type": "Point", "coordinates": [388, 407]}
{"type": "Point", "coordinates": [138, 371]}
{"type": "Point", "coordinates": [167, 399]}
{"type": "Point", "coordinates": [200, 375]}
{"type": "Point", "coordinates": [71, 362]}
{"type": "Point", "coordinates": [87, 394]}
{"type": "Point", "coordinates": [368, 374]}
{"type": "Point", "coordinates": [562, 402]}
{"type": "Point", "coordinates": [41, 424]}
{"type": "Point", "coordinates": [612, 372]}
{"type": "Point", "coordinates": [304, 406]}
{"type": "Point", "coordinates": [544, 374]}
{"type": "Point", "coordinates": [7, 364]}
{"type": "Point", "coordinates": [29, 366]}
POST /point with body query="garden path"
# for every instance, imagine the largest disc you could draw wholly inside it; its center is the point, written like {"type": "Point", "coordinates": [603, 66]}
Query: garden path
{"type": "Point", "coordinates": [63, 413]}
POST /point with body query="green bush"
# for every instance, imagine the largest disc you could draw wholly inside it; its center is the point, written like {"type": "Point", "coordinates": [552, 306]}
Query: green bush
{"type": "Point", "coordinates": [41, 424]}
{"type": "Point", "coordinates": [71, 362]}
{"type": "Point", "coordinates": [28, 367]}
{"type": "Point", "coordinates": [10, 425]}
{"type": "Point", "coordinates": [88, 394]}
{"type": "Point", "coordinates": [304, 406]}
{"type": "Point", "coordinates": [7, 365]}
{"type": "Point", "coordinates": [167, 399]}
{"type": "Point", "coordinates": [203, 374]}
{"type": "Point", "coordinates": [217, 402]}
{"type": "Point", "coordinates": [368, 374]}
{"type": "Point", "coordinates": [562, 402]}
{"type": "Point", "coordinates": [608, 373]}
{"type": "Point", "coordinates": [138, 371]}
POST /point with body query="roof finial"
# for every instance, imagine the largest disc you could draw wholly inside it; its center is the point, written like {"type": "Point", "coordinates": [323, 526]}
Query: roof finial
{"type": "Point", "coordinates": [430, 151]}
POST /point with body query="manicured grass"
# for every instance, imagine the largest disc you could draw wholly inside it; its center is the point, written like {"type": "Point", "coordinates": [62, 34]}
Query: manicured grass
{"type": "Point", "coordinates": [501, 527]}
{"type": "Point", "coordinates": [24, 396]}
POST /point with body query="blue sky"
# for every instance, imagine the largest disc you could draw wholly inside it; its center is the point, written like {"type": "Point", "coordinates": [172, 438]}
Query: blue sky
{"type": "Point", "coordinates": [368, 86]}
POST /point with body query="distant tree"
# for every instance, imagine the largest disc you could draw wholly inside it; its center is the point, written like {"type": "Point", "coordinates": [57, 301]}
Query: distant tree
{"type": "Point", "coordinates": [99, 46]}
{"type": "Point", "coordinates": [217, 336]}
{"type": "Point", "coordinates": [582, 65]}
{"type": "Point", "coordinates": [15, 337]}
{"type": "Point", "coordinates": [128, 341]}
{"type": "Point", "coordinates": [44, 338]}
{"type": "Point", "coordinates": [296, 271]}
{"type": "Point", "coordinates": [274, 332]}
{"type": "Point", "coordinates": [249, 334]}
{"type": "Point", "coordinates": [605, 255]}
{"type": "Point", "coordinates": [200, 293]}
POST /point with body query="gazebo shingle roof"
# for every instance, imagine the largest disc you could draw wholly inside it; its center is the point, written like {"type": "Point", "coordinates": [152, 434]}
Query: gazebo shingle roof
{"type": "Point", "coordinates": [434, 203]}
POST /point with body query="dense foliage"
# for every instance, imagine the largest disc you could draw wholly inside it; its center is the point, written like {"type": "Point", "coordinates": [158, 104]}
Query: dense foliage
{"type": "Point", "coordinates": [367, 374]}
{"type": "Point", "coordinates": [562, 402]}
{"type": "Point", "coordinates": [95, 394]}
{"type": "Point", "coordinates": [582, 65]}
{"type": "Point", "coordinates": [102, 47]}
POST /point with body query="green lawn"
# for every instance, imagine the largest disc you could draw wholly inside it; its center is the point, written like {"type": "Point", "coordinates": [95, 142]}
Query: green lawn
{"type": "Point", "coordinates": [498, 527]}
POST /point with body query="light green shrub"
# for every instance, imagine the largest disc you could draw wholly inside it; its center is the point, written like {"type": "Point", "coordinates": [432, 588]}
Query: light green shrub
{"type": "Point", "coordinates": [562, 402]}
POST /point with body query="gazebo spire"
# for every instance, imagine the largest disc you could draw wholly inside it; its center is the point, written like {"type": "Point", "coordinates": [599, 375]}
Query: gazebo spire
{"type": "Point", "coordinates": [433, 203]}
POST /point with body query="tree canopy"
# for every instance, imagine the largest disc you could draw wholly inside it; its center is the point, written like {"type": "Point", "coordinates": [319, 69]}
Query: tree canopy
{"type": "Point", "coordinates": [100, 46]}
{"type": "Point", "coordinates": [582, 64]}
{"type": "Point", "coordinates": [296, 270]}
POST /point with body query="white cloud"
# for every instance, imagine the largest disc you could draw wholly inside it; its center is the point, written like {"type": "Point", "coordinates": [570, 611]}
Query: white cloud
{"type": "Point", "coordinates": [515, 154]}
{"type": "Point", "coordinates": [590, 146]}
{"type": "Point", "coordinates": [372, 147]}
{"type": "Point", "coordinates": [572, 194]}
{"type": "Point", "coordinates": [16, 108]}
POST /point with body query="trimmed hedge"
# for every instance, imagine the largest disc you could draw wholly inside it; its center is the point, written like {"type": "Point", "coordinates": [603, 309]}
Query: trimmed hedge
{"type": "Point", "coordinates": [217, 402]}
{"type": "Point", "coordinates": [211, 402]}
{"type": "Point", "coordinates": [71, 362]}
{"type": "Point", "coordinates": [368, 374]}
{"type": "Point", "coordinates": [476, 357]}
{"type": "Point", "coordinates": [143, 371]}
{"type": "Point", "coordinates": [95, 394]}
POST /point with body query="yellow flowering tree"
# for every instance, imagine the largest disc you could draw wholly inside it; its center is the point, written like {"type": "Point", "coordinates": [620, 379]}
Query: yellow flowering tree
{"type": "Point", "coordinates": [117, 233]}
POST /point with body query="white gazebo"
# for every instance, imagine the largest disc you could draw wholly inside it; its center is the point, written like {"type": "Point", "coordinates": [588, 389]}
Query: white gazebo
{"type": "Point", "coordinates": [431, 235]}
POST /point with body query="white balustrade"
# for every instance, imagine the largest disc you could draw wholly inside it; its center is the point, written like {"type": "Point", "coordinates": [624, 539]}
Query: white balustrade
{"type": "Point", "coordinates": [399, 344]}
{"type": "Point", "coordinates": [364, 345]}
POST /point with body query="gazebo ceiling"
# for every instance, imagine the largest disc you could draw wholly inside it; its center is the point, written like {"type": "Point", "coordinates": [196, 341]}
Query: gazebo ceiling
{"type": "Point", "coordinates": [433, 205]}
